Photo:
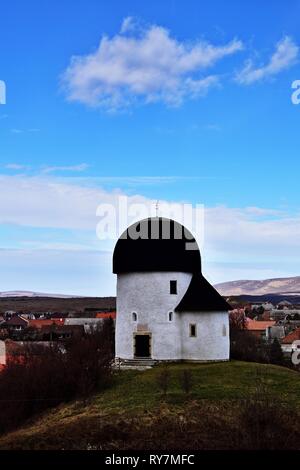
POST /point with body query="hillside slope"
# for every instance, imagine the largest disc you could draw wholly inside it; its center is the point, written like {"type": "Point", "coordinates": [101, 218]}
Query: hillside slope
{"type": "Point", "coordinates": [20, 293]}
{"type": "Point", "coordinates": [267, 286]}
{"type": "Point", "coordinates": [54, 304]}
{"type": "Point", "coordinates": [133, 413]}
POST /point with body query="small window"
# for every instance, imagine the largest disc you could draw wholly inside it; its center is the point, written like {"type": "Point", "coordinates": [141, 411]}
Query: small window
{"type": "Point", "coordinates": [134, 316]}
{"type": "Point", "coordinates": [193, 330]}
{"type": "Point", "coordinates": [170, 316]}
{"type": "Point", "coordinates": [224, 330]}
{"type": "Point", "coordinates": [173, 287]}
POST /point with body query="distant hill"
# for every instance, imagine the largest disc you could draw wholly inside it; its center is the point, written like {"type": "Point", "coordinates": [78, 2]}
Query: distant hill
{"type": "Point", "coordinates": [20, 293]}
{"type": "Point", "coordinates": [281, 286]}
{"type": "Point", "coordinates": [47, 303]}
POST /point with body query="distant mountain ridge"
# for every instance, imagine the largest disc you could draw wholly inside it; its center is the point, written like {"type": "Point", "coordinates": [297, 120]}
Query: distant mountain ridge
{"type": "Point", "coordinates": [281, 285]}
{"type": "Point", "coordinates": [20, 293]}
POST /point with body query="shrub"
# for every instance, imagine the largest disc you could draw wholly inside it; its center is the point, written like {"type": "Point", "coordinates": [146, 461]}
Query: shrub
{"type": "Point", "coordinates": [46, 376]}
{"type": "Point", "coordinates": [186, 380]}
{"type": "Point", "coordinates": [276, 354]}
{"type": "Point", "coordinates": [245, 346]}
{"type": "Point", "coordinates": [266, 423]}
{"type": "Point", "coordinates": [163, 380]}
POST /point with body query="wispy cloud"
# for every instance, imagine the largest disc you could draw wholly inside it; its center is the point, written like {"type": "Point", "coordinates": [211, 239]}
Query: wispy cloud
{"type": "Point", "coordinates": [285, 55]}
{"type": "Point", "coordinates": [144, 65]}
{"type": "Point", "coordinates": [21, 131]}
{"type": "Point", "coordinates": [134, 181]}
{"type": "Point", "coordinates": [71, 168]}
{"type": "Point", "coordinates": [16, 131]}
{"type": "Point", "coordinates": [47, 169]}
{"type": "Point", "coordinates": [16, 166]}
{"type": "Point", "coordinates": [128, 24]}
{"type": "Point", "coordinates": [212, 127]}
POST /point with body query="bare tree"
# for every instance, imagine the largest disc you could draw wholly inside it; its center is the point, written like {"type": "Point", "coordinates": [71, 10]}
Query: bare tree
{"type": "Point", "coordinates": [163, 380]}
{"type": "Point", "coordinates": [186, 380]}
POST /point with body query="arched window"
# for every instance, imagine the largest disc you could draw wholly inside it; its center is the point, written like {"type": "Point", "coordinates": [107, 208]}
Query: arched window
{"type": "Point", "coordinates": [134, 316]}
{"type": "Point", "coordinates": [170, 316]}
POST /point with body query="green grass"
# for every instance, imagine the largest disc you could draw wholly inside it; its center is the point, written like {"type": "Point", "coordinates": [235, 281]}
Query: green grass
{"type": "Point", "coordinates": [219, 381]}
{"type": "Point", "coordinates": [136, 393]}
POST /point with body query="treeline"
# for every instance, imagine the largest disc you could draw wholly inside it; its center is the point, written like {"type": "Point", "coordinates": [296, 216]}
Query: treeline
{"type": "Point", "coordinates": [245, 346]}
{"type": "Point", "coordinates": [45, 376]}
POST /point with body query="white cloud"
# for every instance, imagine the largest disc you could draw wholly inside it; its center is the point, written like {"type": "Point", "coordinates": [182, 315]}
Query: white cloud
{"type": "Point", "coordinates": [76, 168]}
{"type": "Point", "coordinates": [71, 204]}
{"type": "Point", "coordinates": [143, 66]}
{"type": "Point", "coordinates": [128, 24]}
{"type": "Point", "coordinates": [249, 242]}
{"type": "Point", "coordinates": [285, 55]}
{"type": "Point", "coordinates": [16, 166]}
{"type": "Point", "coordinates": [258, 235]}
{"type": "Point", "coordinates": [21, 131]}
{"type": "Point", "coordinates": [55, 203]}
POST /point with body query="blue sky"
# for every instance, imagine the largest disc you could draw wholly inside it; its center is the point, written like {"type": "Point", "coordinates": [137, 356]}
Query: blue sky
{"type": "Point", "coordinates": [177, 101]}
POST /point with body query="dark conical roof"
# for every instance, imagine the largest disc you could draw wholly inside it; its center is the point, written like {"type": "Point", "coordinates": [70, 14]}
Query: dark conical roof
{"type": "Point", "coordinates": [156, 244]}
{"type": "Point", "coordinates": [201, 296]}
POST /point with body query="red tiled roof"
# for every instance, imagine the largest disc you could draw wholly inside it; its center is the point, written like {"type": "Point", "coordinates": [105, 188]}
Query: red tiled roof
{"type": "Point", "coordinates": [291, 337]}
{"type": "Point", "coordinates": [42, 323]}
{"type": "Point", "coordinates": [255, 325]}
{"type": "Point", "coordinates": [16, 320]}
{"type": "Point", "coordinates": [106, 315]}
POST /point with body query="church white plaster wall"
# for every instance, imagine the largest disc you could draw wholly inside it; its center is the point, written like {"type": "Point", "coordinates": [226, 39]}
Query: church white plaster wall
{"type": "Point", "coordinates": [148, 294]}
{"type": "Point", "coordinates": [212, 336]}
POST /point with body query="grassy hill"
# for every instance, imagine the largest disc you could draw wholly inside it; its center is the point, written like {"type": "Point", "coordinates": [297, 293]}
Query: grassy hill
{"type": "Point", "coordinates": [133, 412]}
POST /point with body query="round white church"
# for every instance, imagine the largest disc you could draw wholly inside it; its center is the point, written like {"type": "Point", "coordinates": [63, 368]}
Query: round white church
{"type": "Point", "coordinates": [166, 309]}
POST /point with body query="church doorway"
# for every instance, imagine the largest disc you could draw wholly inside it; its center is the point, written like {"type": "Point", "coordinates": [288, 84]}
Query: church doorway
{"type": "Point", "coordinates": [142, 345]}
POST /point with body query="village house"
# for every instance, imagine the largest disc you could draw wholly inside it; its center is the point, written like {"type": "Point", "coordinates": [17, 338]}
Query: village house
{"type": "Point", "coordinates": [275, 331]}
{"type": "Point", "coordinates": [89, 324]}
{"type": "Point", "coordinates": [267, 306]}
{"type": "Point", "coordinates": [46, 322]}
{"type": "Point", "coordinates": [106, 315]}
{"type": "Point", "coordinates": [8, 314]}
{"type": "Point", "coordinates": [259, 328]}
{"type": "Point", "coordinates": [284, 304]}
{"type": "Point", "coordinates": [15, 324]}
{"type": "Point", "coordinates": [60, 332]}
{"type": "Point", "coordinates": [288, 345]}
